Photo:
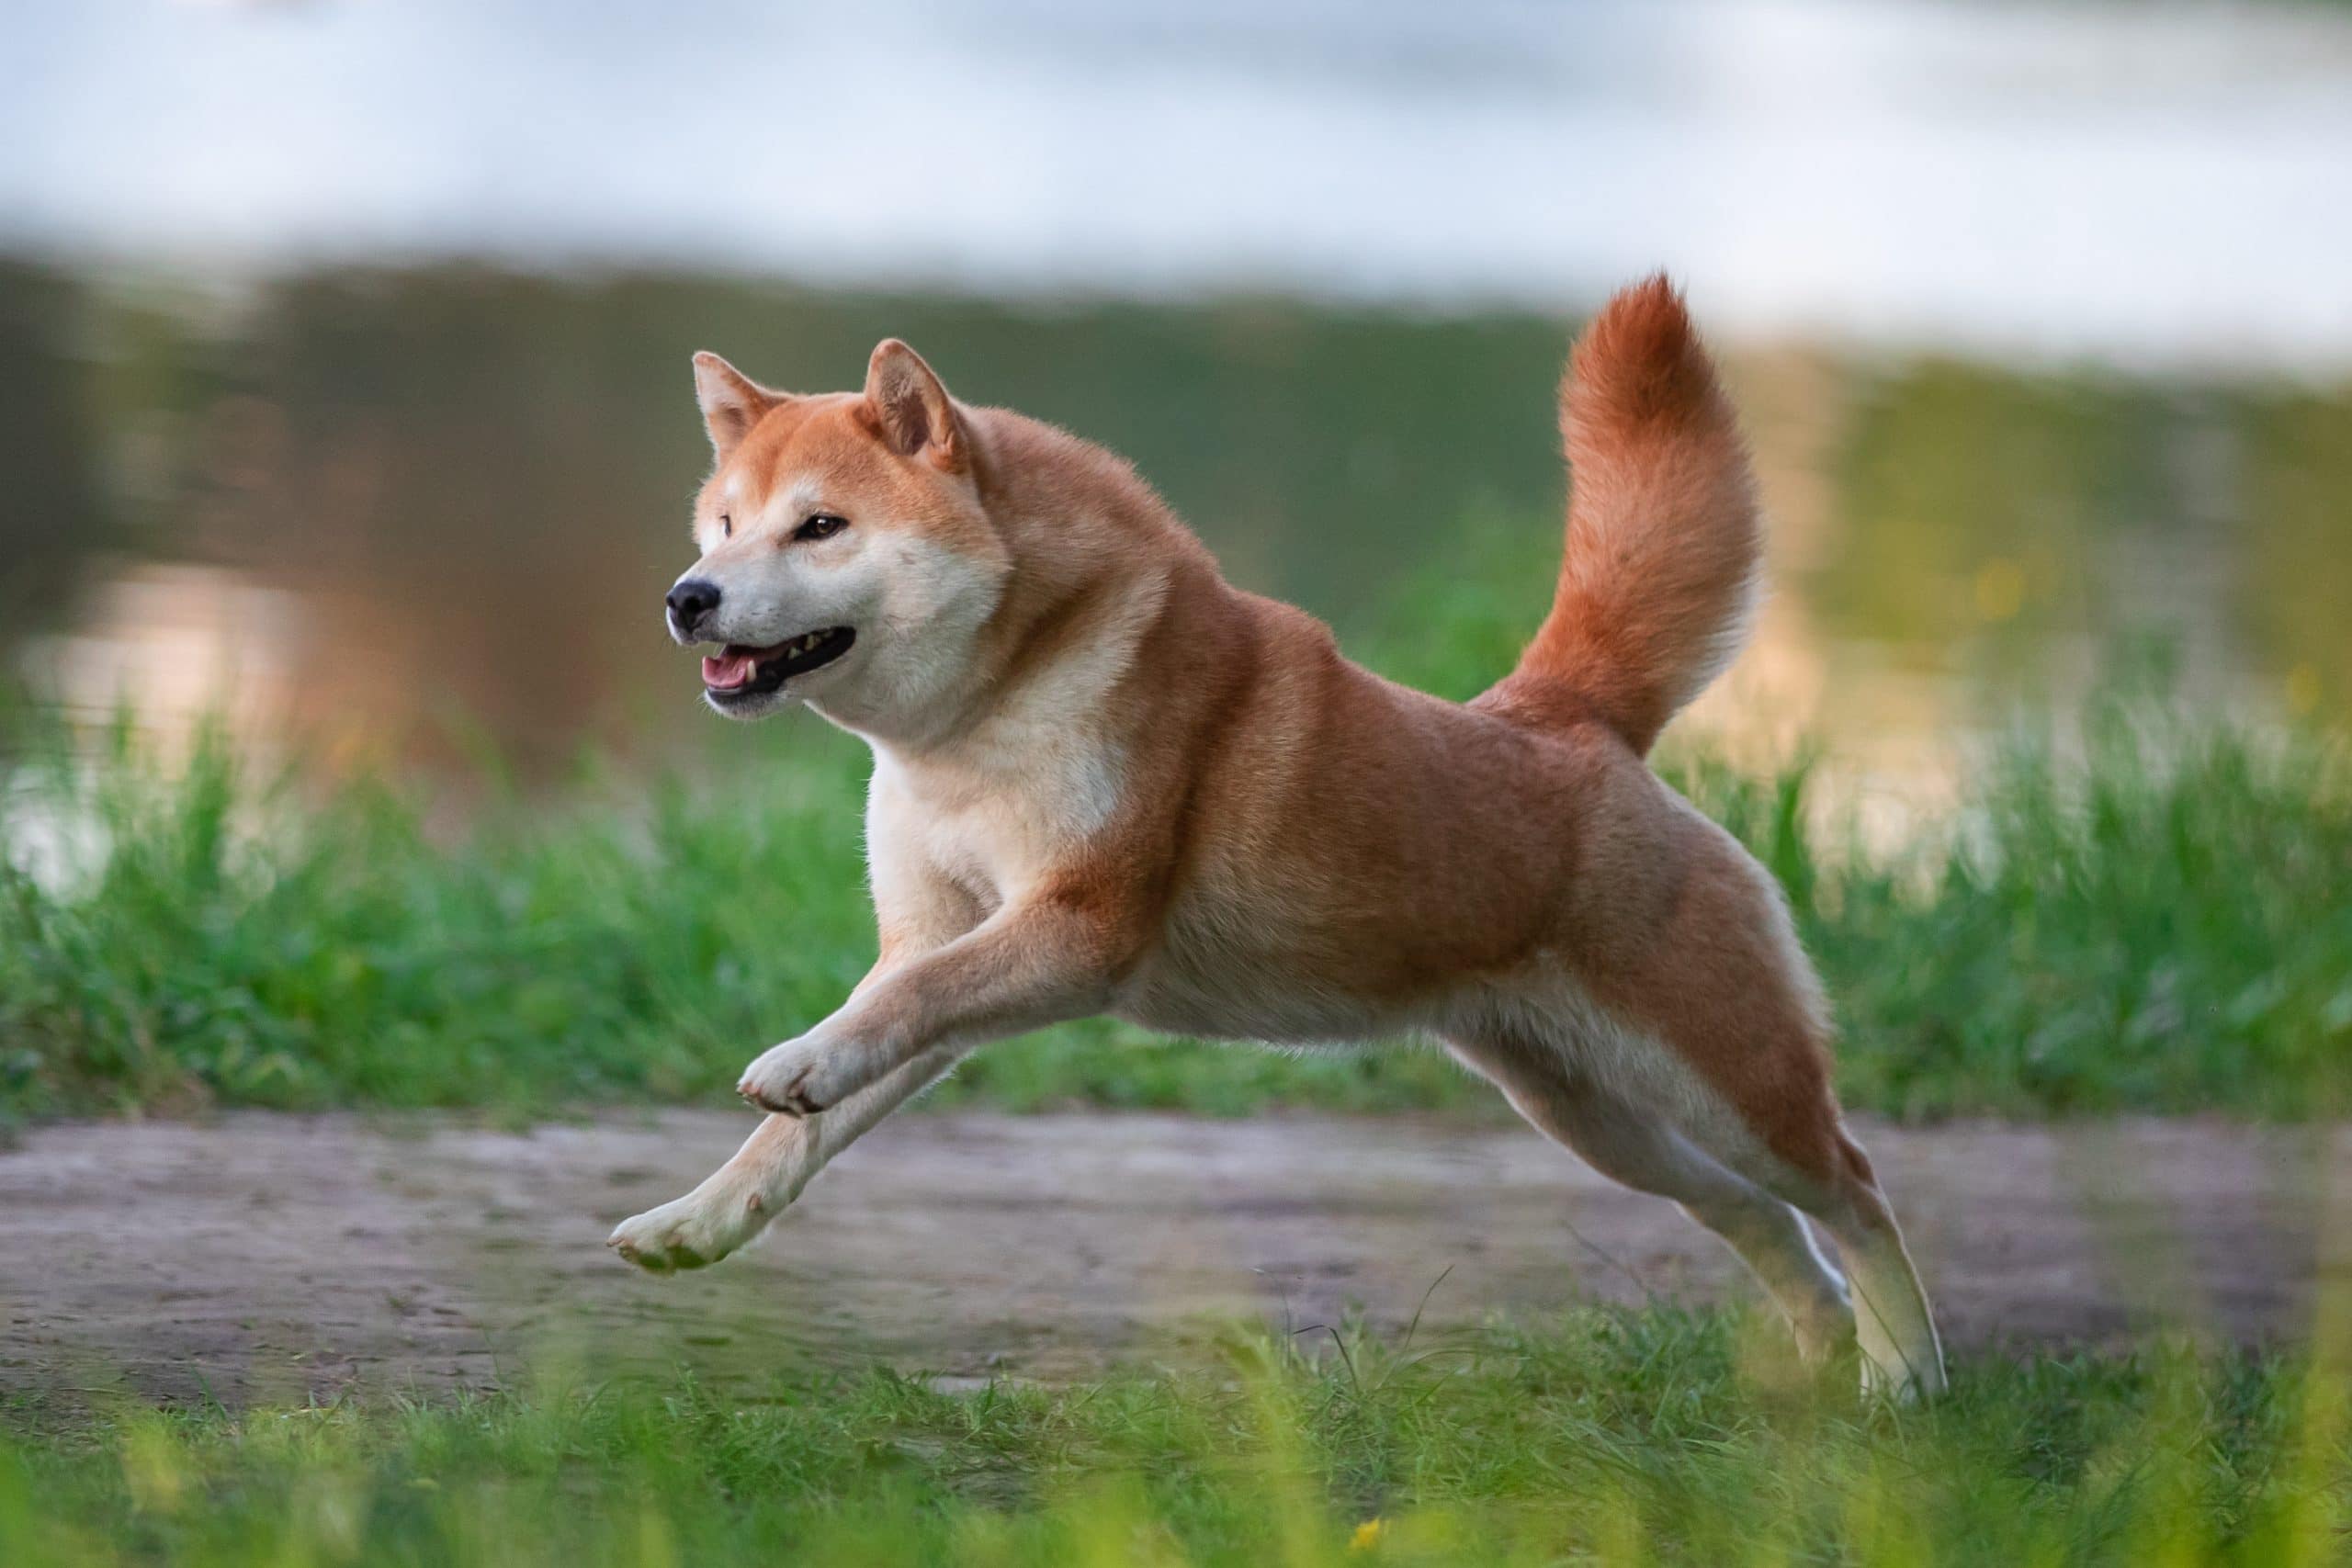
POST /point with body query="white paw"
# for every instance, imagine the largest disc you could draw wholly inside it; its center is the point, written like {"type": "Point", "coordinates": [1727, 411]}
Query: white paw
{"type": "Point", "coordinates": [801, 1077]}
{"type": "Point", "coordinates": [692, 1232]}
{"type": "Point", "coordinates": [1901, 1385]}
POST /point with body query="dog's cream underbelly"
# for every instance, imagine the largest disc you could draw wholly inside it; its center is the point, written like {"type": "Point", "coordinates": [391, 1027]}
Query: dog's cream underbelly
{"type": "Point", "coordinates": [1242, 978]}
{"type": "Point", "coordinates": [1234, 1008]}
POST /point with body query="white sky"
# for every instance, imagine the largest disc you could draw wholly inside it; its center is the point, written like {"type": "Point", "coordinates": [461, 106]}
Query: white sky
{"type": "Point", "coordinates": [2131, 182]}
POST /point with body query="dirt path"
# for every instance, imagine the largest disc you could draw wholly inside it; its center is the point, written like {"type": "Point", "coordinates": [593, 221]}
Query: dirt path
{"type": "Point", "coordinates": [275, 1255]}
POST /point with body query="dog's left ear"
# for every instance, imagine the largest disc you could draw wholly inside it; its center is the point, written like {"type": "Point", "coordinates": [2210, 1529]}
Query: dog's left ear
{"type": "Point", "coordinates": [909, 409]}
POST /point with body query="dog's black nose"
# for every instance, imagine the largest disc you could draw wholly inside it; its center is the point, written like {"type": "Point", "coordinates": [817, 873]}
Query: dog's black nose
{"type": "Point", "coordinates": [689, 602]}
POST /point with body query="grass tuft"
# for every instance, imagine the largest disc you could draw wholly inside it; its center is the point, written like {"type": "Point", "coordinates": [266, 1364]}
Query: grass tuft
{"type": "Point", "coordinates": [1612, 1437]}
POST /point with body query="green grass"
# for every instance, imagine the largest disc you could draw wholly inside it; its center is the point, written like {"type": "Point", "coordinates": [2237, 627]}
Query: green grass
{"type": "Point", "coordinates": [1614, 1437]}
{"type": "Point", "coordinates": [2147, 911]}
{"type": "Point", "coordinates": [2156, 923]}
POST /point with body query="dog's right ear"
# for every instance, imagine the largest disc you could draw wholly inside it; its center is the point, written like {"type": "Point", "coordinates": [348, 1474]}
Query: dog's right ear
{"type": "Point", "coordinates": [731, 401]}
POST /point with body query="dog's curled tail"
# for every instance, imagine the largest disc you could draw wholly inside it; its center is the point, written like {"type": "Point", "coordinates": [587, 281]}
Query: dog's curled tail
{"type": "Point", "coordinates": [1661, 569]}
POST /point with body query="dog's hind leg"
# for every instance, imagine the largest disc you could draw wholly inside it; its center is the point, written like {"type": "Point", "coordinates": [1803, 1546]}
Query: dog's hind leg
{"type": "Point", "coordinates": [1635, 1145]}
{"type": "Point", "coordinates": [1902, 1354]}
{"type": "Point", "coordinates": [780, 1157]}
{"type": "Point", "coordinates": [1817, 1166]}
{"type": "Point", "coordinates": [1774, 1124]}
{"type": "Point", "coordinates": [1689, 974]}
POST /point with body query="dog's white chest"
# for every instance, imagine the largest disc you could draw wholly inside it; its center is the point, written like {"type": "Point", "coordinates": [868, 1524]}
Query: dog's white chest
{"type": "Point", "coordinates": [998, 817]}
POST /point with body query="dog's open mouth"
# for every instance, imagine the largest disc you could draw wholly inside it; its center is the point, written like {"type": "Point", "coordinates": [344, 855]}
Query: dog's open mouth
{"type": "Point", "coordinates": [736, 673]}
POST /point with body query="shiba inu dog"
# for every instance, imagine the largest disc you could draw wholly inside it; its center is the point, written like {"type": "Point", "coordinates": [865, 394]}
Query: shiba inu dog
{"type": "Point", "coordinates": [1107, 781]}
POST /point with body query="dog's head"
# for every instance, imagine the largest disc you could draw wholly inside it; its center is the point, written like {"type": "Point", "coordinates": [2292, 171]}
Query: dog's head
{"type": "Point", "coordinates": [847, 559]}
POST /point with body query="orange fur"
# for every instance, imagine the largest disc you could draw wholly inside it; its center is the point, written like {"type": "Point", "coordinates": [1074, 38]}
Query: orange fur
{"type": "Point", "coordinates": [1107, 781]}
{"type": "Point", "coordinates": [1664, 545]}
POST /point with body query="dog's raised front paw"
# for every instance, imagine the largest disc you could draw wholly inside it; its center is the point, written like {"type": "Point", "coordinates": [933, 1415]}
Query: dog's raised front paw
{"type": "Point", "coordinates": [799, 1078]}
{"type": "Point", "coordinates": [692, 1232]}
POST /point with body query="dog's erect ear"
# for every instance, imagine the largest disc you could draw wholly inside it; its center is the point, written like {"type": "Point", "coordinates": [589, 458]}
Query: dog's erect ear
{"type": "Point", "coordinates": [909, 409]}
{"type": "Point", "coordinates": [731, 401]}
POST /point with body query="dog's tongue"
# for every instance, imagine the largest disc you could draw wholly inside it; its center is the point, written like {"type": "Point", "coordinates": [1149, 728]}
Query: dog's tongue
{"type": "Point", "coordinates": [728, 671]}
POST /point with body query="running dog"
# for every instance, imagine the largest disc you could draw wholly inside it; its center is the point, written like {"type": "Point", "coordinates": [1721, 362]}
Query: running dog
{"type": "Point", "coordinates": [1105, 780]}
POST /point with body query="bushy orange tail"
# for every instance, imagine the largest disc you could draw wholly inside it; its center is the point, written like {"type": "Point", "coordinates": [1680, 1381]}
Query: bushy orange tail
{"type": "Point", "coordinates": [1661, 567]}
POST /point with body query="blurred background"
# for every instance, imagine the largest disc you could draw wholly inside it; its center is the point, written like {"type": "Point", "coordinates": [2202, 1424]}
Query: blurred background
{"type": "Point", "coordinates": [345, 341]}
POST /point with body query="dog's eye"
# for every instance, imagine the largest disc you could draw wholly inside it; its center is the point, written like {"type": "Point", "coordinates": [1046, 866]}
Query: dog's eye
{"type": "Point", "coordinates": [823, 525]}
{"type": "Point", "coordinates": [726, 526]}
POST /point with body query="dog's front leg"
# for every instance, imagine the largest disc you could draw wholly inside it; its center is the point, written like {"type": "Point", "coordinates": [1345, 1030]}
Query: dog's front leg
{"type": "Point", "coordinates": [1043, 961]}
{"type": "Point", "coordinates": [920, 914]}
{"type": "Point", "coordinates": [780, 1157]}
